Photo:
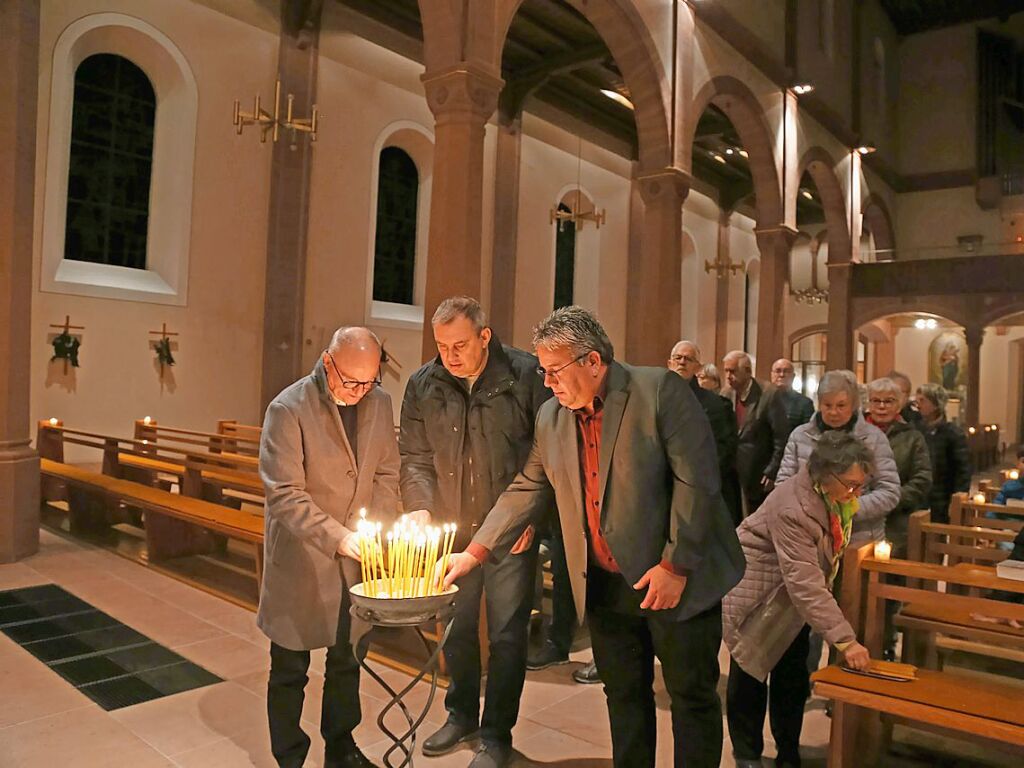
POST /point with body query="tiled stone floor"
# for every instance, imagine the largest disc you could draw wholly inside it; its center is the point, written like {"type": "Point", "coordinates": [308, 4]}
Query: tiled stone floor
{"type": "Point", "coordinates": [44, 722]}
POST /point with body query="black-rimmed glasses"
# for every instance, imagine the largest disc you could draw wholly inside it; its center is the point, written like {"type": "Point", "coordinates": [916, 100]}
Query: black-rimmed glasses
{"type": "Point", "coordinates": [849, 487]}
{"type": "Point", "coordinates": [350, 384]}
{"type": "Point", "coordinates": [544, 372]}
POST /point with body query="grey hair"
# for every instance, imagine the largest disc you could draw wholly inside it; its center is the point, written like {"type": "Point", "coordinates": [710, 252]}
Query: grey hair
{"type": "Point", "coordinates": [742, 359]}
{"type": "Point", "coordinates": [937, 394]}
{"type": "Point", "coordinates": [355, 336]}
{"type": "Point", "coordinates": [840, 380]}
{"type": "Point", "coordinates": [460, 306]}
{"type": "Point", "coordinates": [885, 385]}
{"type": "Point", "coordinates": [835, 452]}
{"type": "Point", "coordinates": [692, 344]}
{"type": "Point", "coordinates": [710, 371]}
{"type": "Point", "coordinates": [575, 328]}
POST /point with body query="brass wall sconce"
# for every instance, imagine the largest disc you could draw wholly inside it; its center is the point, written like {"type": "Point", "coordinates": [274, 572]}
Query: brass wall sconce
{"type": "Point", "coordinates": [724, 269]}
{"type": "Point", "coordinates": [270, 123]}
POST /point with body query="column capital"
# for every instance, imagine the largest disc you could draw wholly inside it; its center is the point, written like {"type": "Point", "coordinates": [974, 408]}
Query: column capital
{"type": "Point", "coordinates": [974, 334]}
{"type": "Point", "coordinates": [464, 91]}
{"type": "Point", "coordinates": [656, 185]}
{"type": "Point", "coordinates": [780, 235]}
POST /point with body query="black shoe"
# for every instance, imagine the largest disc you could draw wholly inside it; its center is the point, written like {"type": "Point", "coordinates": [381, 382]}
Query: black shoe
{"type": "Point", "coordinates": [587, 675]}
{"type": "Point", "coordinates": [448, 737]}
{"type": "Point", "coordinates": [354, 759]}
{"type": "Point", "coordinates": [547, 656]}
{"type": "Point", "coordinates": [492, 755]}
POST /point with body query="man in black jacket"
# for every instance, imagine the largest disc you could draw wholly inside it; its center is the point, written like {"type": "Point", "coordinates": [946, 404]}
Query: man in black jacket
{"type": "Point", "coordinates": [685, 360]}
{"type": "Point", "coordinates": [466, 430]}
{"type": "Point", "coordinates": [763, 429]}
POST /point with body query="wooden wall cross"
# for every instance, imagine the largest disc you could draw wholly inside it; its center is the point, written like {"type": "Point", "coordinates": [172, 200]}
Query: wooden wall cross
{"type": "Point", "coordinates": [66, 327]}
{"type": "Point", "coordinates": [165, 355]}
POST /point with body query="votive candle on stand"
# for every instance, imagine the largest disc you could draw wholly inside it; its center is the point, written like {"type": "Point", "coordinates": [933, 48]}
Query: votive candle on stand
{"type": "Point", "coordinates": [979, 498]}
{"type": "Point", "coordinates": [883, 549]}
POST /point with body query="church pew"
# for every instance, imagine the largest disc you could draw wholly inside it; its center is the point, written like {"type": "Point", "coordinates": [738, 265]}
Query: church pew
{"type": "Point", "coordinates": [963, 510]}
{"type": "Point", "coordinates": [931, 631]}
{"type": "Point", "coordinates": [209, 442]}
{"type": "Point", "coordinates": [157, 504]}
{"type": "Point", "coordinates": [938, 699]}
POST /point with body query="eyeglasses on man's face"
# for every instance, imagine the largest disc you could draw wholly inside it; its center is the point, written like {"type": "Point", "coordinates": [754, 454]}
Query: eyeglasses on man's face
{"type": "Point", "coordinates": [352, 385]}
{"type": "Point", "coordinates": [553, 373]}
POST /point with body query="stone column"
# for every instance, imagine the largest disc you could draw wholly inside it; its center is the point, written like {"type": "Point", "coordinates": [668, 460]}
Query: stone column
{"type": "Point", "coordinates": [840, 329]}
{"type": "Point", "coordinates": [288, 216]}
{"type": "Point", "coordinates": [506, 224]}
{"type": "Point", "coordinates": [19, 463]}
{"type": "Point", "coordinates": [653, 303]}
{"type": "Point", "coordinates": [774, 244]}
{"type": "Point", "coordinates": [975, 336]}
{"type": "Point", "coordinates": [462, 99]}
{"type": "Point", "coordinates": [722, 251]}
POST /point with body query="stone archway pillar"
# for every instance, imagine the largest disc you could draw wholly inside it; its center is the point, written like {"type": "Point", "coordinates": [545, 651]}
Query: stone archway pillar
{"type": "Point", "coordinates": [774, 244]}
{"type": "Point", "coordinates": [840, 325]}
{"type": "Point", "coordinates": [19, 463]}
{"type": "Point", "coordinates": [655, 285]}
{"type": "Point", "coordinates": [462, 99]}
{"type": "Point", "coordinates": [974, 335]}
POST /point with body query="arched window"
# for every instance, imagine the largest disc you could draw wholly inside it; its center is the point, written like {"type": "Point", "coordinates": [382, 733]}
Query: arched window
{"type": "Point", "coordinates": [111, 163]}
{"type": "Point", "coordinates": [565, 260]}
{"type": "Point", "coordinates": [394, 257]}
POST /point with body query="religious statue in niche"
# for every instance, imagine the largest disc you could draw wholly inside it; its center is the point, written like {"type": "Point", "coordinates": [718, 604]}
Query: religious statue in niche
{"type": "Point", "coordinates": [947, 361]}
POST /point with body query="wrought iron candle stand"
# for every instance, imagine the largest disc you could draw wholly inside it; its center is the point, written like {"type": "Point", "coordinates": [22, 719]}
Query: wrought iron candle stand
{"type": "Point", "coordinates": [404, 612]}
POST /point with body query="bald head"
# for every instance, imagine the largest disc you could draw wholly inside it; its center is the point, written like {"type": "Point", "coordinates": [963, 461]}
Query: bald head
{"type": "Point", "coordinates": [738, 370]}
{"type": "Point", "coordinates": [352, 362]}
{"type": "Point", "coordinates": [685, 359]}
{"type": "Point", "coordinates": [783, 373]}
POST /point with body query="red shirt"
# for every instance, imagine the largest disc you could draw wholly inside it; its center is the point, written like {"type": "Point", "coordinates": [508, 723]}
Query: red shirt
{"type": "Point", "coordinates": [588, 431]}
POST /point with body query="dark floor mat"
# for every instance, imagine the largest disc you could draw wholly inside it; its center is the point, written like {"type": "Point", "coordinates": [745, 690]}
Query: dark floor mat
{"type": "Point", "coordinates": [111, 663]}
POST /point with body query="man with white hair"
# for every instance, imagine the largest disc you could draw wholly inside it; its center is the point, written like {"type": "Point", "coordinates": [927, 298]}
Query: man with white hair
{"type": "Point", "coordinates": [327, 450]}
{"type": "Point", "coordinates": [685, 359]}
{"type": "Point", "coordinates": [763, 429]}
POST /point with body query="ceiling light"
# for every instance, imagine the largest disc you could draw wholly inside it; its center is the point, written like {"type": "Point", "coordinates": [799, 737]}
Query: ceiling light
{"type": "Point", "coordinates": [801, 89]}
{"type": "Point", "coordinates": [866, 148]}
{"type": "Point", "coordinates": [807, 194]}
{"type": "Point", "coordinates": [729, 151]}
{"type": "Point", "coordinates": [743, 153]}
{"type": "Point", "coordinates": [919, 324]}
{"type": "Point", "coordinates": [618, 98]}
{"type": "Point", "coordinates": [718, 157]}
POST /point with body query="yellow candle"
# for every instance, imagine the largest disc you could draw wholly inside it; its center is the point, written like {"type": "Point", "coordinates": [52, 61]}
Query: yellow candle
{"type": "Point", "coordinates": [979, 498]}
{"type": "Point", "coordinates": [882, 550]}
{"type": "Point", "coordinates": [1014, 474]}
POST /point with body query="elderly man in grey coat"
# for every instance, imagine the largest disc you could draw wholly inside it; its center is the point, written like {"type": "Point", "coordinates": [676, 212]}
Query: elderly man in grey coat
{"type": "Point", "coordinates": [328, 450]}
{"type": "Point", "coordinates": [838, 409]}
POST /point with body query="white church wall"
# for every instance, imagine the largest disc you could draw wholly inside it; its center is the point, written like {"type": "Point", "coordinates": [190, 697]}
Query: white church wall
{"type": "Point", "coordinates": [699, 299]}
{"type": "Point", "coordinates": [218, 350]}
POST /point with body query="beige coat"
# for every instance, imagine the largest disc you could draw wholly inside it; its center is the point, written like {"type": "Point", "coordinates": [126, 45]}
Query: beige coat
{"type": "Point", "coordinates": [788, 548]}
{"type": "Point", "coordinates": [315, 489]}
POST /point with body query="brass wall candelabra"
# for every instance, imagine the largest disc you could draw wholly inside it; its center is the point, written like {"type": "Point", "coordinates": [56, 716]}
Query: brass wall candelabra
{"type": "Point", "coordinates": [270, 123]}
{"type": "Point", "coordinates": [725, 268]}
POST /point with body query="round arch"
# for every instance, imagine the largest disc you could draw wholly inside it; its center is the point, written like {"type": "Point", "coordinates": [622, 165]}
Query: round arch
{"type": "Point", "coordinates": [742, 108]}
{"type": "Point", "coordinates": [628, 39]}
{"type": "Point", "coordinates": [819, 164]}
{"type": "Point", "coordinates": [879, 223]}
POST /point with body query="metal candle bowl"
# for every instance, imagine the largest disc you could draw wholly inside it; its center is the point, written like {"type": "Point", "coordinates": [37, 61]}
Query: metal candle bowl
{"type": "Point", "coordinates": [398, 611]}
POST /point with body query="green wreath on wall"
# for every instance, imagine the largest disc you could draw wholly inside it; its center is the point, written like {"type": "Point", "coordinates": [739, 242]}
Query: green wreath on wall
{"type": "Point", "coordinates": [65, 347]}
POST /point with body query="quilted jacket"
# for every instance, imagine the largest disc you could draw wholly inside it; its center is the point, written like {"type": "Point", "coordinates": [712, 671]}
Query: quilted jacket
{"type": "Point", "coordinates": [788, 549]}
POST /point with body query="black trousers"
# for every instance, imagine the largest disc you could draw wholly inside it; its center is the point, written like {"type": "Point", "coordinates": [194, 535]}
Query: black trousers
{"type": "Point", "coordinates": [625, 641]}
{"type": "Point", "coordinates": [507, 586]}
{"type": "Point", "coordinates": [340, 711]}
{"type": "Point", "coordinates": [563, 610]}
{"type": "Point", "coordinates": [783, 695]}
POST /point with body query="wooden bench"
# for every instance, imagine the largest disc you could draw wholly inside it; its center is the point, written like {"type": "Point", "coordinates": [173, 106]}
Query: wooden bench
{"type": "Point", "coordinates": [965, 511]}
{"type": "Point", "coordinates": [163, 541]}
{"type": "Point", "coordinates": [858, 736]}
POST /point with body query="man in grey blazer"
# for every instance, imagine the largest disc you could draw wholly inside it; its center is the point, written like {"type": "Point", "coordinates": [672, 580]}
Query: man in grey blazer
{"type": "Point", "coordinates": [328, 449]}
{"type": "Point", "coordinates": [628, 456]}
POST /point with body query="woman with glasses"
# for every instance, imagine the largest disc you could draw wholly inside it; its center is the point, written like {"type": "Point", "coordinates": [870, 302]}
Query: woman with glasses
{"type": "Point", "coordinates": [793, 545]}
{"type": "Point", "coordinates": [838, 410]}
{"type": "Point", "coordinates": [885, 402]}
